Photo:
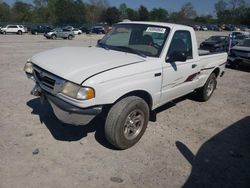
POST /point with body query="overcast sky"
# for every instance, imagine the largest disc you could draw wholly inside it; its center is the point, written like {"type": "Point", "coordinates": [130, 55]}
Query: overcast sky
{"type": "Point", "coordinates": [202, 6]}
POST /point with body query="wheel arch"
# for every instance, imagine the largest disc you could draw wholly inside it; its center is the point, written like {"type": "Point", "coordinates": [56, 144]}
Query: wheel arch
{"type": "Point", "coordinates": [216, 71]}
{"type": "Point", "coordinates": [139, 93]}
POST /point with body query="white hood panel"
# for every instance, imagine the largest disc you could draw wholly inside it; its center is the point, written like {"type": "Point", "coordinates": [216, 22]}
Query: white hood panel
{"type": "Point", "coordinates": [78, 63]}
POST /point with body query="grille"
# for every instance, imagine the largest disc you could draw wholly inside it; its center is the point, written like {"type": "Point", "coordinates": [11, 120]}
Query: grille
{"type": "Point", "coordinates": [45, 80]}
{"type": "Point", "coordinates": [48, 81]}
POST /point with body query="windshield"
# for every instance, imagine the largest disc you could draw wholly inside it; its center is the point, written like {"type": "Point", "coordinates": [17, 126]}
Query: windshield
{"type": "Point", "coordinates": [245, 43]}
{"type": "Point", "coordinates": [216, 39]}
{"type": "Point", "coordinates": [141, 38]}
{"type": "Point", "coordinates": [57, 30]}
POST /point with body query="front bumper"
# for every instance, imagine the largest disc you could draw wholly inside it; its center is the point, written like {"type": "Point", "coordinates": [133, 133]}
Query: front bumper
{"type": "Point", "coordinates": [68, 113]}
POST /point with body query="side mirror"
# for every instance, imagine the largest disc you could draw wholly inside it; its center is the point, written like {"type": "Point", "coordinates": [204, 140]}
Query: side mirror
{"type": "Point", "coordinates": [176, 56]}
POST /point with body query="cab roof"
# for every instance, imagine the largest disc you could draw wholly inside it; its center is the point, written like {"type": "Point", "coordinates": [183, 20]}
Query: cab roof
{"type": "Point", "coordinates": [164, 24]}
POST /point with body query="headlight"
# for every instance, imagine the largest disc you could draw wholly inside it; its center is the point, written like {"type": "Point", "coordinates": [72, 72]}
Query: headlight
{"type": "Point", "coordinates": [78, 92]}
{"type": "Point", "coordinates": [28, 68]}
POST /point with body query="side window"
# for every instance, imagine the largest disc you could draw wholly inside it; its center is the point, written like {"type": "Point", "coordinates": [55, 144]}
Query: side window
{"type": "Point", "coordinates": [182, 42]}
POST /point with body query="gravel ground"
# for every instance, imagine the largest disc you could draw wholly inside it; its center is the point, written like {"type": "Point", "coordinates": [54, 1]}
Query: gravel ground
{"type": "Point", "coordinates": [191, 144]}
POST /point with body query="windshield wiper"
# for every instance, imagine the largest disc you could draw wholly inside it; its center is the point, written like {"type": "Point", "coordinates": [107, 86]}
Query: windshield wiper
{"type": "Point", "coordinates": [102, 45]}
{"type": "Point", "coordinates": [132, 50]}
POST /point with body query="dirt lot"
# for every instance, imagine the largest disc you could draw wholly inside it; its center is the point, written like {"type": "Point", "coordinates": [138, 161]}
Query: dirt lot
{"type": "Point", "coordinates": [191, 144]}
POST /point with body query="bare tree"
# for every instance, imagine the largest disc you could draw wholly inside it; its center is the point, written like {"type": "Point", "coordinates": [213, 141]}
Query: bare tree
{"type": "Point", "coordinates": [188, 11]}
{"type": "Point", "coordinates": [237, 3]}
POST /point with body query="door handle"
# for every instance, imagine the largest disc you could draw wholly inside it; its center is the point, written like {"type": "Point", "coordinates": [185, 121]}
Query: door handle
{"type": "Point", "coordinates": [157, 74]}
{"type": "Point", "coordinates": [194, 65]}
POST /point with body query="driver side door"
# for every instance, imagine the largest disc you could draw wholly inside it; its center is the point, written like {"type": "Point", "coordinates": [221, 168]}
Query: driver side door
{"type": "Point", "coordinates": [179, 77]}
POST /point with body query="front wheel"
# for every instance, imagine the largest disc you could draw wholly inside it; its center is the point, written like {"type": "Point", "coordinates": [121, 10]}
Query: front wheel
{"type": "Point", "coordinates": [126, 122]}
{"type": "Point", "coordinates": [205, 93]}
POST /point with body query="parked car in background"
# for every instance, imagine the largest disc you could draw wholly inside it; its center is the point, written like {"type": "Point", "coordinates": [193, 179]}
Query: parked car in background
{"type": "Point", "coordinates": [77, 31]}
{"type": "Point", "coordinates": [40, 29]}
{"type": "Point", "coordinates": [85, 29]}
{"type": "Point", "coordinates": [18, 29]}
{"type": "Point", "coordinates": [216, 44]}
{"type": "Point", "coordinates": [217, 28]}
{"type": "Point", "coordinates": [204, 28]}
{"type": "Point", "coordinates": [239, 54]}
{"type": "Point", "coordinates": [243, 28]}
{"type": "Point", "coordinates": [69, 27]}
{"type": "Point", "coordinates": [238, 39]}
{"type": "Point", "coordinates": [97, 30]}
{"type": "Point", "coordinates": [197, 27]}
{"type": "Point", "coordinates": [60, 33]}
{"type": "Point", "coordinates": [235, 33]}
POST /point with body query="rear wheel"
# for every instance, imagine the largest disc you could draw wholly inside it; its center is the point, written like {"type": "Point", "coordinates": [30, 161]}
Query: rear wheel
{"type": "Point", "coordinates": [19, 32]}
{"type": "Point", "coordinates": [126, 122]}
{"type": "Point", "coordinates": [205, 93]}
{"type": "Point", "coordinates": [70, 37]}
{"type": "Point", "coordinates": [53, 37]}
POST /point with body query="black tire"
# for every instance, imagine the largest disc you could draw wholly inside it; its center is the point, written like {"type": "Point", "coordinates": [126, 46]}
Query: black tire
{"type": "Point", "coordinates": [205, 93]}
{"type": "Point", "coordinates": [53, 37]}
{"type": "Point", "coordinates": [4, 32]}
{"type": "Point", "coordinates": [130, 113]}
{"type": "Point", "coordinates": [19, 32]}
{"type": "Point", "coordinates": [70, 37]}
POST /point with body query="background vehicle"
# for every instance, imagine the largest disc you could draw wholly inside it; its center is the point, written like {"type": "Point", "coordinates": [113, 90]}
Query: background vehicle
{"type": "Point", "coordinates": [216, 44]}
{"type": "Point", "coordinates": [132, 71]}
{"type": "Point", "coordinates": [204, 28]}
{"type": "Point", "coordinates": [77, 31]}
{"type": "Point", "coordinates": [85, 30]}
{"type": "Point", "coordinates": [69, 27]}
{"type": "Point", "coordinates": [97, 30]}
{"type": "Point", "coordinates": [60, 33]}
{"type": "Point", "coordinates": [18, 29]}
{"type": "Point", "coordinates": [40, 29]}
{"type": "Point", "coordinates": [240, 54]}
{"type": "Point", "coordinates": [197, 27]}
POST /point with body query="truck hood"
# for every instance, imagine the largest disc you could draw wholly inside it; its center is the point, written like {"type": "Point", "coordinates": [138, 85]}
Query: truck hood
{"type": "Point", "coordinates": [76, 64]}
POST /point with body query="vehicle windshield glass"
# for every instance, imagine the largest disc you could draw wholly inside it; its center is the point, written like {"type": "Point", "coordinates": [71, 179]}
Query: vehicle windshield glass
{"type": "Point", "coordinates": [216, 39]}
{"type": "Point", "coordinates": [245, 43]}
{"type": "Point", "coordinates": [145, 39]}
{"type": "Point", "coordinates": [56, 30]}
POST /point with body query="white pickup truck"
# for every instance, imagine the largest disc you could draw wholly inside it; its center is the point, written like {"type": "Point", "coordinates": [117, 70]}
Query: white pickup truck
{"type": "Point", "coordinates": [134, 69]}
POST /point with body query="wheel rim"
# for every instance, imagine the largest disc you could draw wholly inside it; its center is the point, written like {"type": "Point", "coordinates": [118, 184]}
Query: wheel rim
{"type": "Point", "coordinates": [133, 124]}
{"type": "Point", "coordinates": [210, 87]}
